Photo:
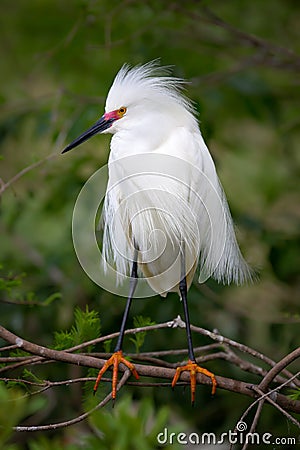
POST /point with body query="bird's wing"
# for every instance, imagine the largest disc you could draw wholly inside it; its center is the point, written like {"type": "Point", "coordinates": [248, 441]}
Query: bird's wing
{"type": "Point", "coordinates": [220, 256]}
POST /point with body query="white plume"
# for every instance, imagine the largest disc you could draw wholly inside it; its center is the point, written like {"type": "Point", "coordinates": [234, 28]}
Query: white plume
{"type": "Point", "coordinates": [164, 194]}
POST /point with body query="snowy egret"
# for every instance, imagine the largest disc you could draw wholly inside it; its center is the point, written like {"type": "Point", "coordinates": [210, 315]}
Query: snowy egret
{"type": "Point", "coordinates": [173, 218]}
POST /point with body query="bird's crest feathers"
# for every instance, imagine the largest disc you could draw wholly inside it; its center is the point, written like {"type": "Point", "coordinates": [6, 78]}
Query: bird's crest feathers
{"type": "Point", "coordinates": [149, 82]}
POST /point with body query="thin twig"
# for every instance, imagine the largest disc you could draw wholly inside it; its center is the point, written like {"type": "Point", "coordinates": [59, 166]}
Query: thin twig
{"type": "Point", "coordinates": [27, 169]}
{"type": "Point", "coordinates": [55, 426]}
{"type": "Point", "coordinates": [116, 334]}
{"type": "Point", "coordinates": [254, 422]}
{"type": "Point", "coordinates": [8, 347]}
{"type": "Point", "coordinates": [286, 414]}
{"type": "Point", "coordinates": [243, 348]}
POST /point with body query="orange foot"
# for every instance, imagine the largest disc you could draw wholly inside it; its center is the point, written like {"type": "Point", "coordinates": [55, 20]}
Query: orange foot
{"type": "Point", "coordinates": [116, 359]}
{"type": "Point", "coordinates": [193, 368]}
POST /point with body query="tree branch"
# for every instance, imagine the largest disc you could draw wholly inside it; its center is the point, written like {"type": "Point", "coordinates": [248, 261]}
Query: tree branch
{"type": "Point", "coordinates": [145, 370]}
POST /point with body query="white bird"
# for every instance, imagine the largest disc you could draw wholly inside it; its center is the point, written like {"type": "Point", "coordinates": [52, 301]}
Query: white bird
{"type": "Point", "coordinates": [165, 212]}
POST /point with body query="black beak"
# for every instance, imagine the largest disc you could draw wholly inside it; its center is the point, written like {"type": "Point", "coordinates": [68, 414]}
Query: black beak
{"type": "Point", "coordinates": [101, 125]}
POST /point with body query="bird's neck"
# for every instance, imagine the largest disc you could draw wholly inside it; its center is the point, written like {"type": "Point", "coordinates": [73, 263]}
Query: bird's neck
{"type": "Point", "coordinates": [126, 143]}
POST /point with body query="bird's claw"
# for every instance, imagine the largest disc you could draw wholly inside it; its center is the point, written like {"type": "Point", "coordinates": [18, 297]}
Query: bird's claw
{"type": "Point", "coordinates": [193, 368]}
{"type": "Point", "coordinates": [116, 359]}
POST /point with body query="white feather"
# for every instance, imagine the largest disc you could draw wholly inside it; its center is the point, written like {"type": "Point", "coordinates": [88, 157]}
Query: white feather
{"type": "Point", "coordinates": [163, 189]}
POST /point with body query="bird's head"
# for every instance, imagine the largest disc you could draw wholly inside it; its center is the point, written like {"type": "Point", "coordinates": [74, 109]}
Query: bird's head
{"type": "Point", "coordinates": [139, 98]}
{"type": "Point", "coordinates": [103, 125]}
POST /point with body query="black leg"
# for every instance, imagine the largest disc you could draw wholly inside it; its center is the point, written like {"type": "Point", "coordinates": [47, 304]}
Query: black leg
{"type": "Point", "coordinates": [191, 366]}
{"type": "Point", "coordinates": [133, 283]}
{"type": "Point", "coordinates": [183, 292]}
{"type": "Point", "coordinates": [117, 357]}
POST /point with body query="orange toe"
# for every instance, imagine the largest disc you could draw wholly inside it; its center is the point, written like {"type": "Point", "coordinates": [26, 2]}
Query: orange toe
{"type": "Point", "coordinates": [193, 368]}
{"type": "Point", "coordinates": [116, 359]}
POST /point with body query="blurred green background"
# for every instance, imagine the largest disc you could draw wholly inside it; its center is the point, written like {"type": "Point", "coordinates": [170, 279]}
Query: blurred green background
{"type": "Point", "coordinates": [58, 60]}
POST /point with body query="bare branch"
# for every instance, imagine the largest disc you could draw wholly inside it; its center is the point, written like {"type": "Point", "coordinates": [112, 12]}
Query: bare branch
{"type": "Point", "coordinates": [144, 370]}
{"type": "Point", "coordinates": [243, 348]}
{"type": "Point", "coordinates": [22, 172]}
{"type": "Point", "coordinates": [279, 367]}
{"type": "Point", "coordinates": [55, 426]}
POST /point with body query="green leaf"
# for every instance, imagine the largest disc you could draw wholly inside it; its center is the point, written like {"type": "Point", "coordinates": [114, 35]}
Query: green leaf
{"type": "Point", "coordinates": [295, 394]}
{"type": "Point", "coordinates": [107, 345]}
{"type": "Point", "coordinates": [86, 328]}
{"type": "Point", "coordinates": [15, 406]}
{"type": "Point", "coordinates": [139, 338]}
{"type": "Point", "coordinates": [51, 298]}
{"type": "Point", "coordinates": [131, 425]}
{"type": "Point", "coordinates": [29, 375]}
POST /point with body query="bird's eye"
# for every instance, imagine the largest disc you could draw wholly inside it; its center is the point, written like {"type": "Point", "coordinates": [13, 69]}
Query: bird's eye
{"type": "Point", "coordinates": [121, 111]}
